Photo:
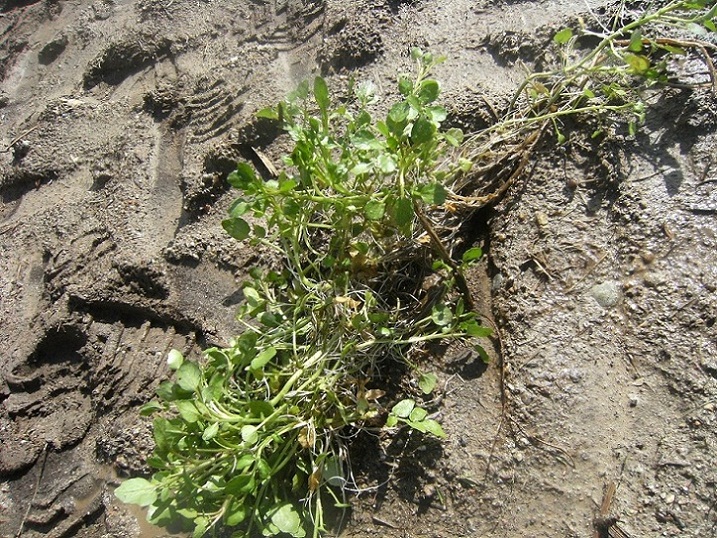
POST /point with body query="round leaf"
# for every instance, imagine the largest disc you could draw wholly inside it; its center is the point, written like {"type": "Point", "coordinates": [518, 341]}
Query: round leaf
{"type": "Point", "coordinates": [374, 210]}
{"type": "Point", "coordinates": [237, 227]}
{"type": "Point", "coordinates": [175, 359]}
{"type": "Point", "coordinates": [189, 376]}
{"type": "Point", "coordinates": [423, 131]}
{"type": "Point", "coordinates": [287, 520]}
{"type": "Point", "coordinates": [427, 383]}
{"type": "Point", "coordinates": [442, 315]}
{"type": "Point", "coordinates": [563, 36]}
{"type": "Point", "coordinates": [429, 91]}
{"type": "Point", "coordinates": [249, 435]}
{"type": "Point", "coordinates": [403, 408]}
{"type": "Point", "coordinates": [472, 254]}
{"type": "Point", "coordinates": [137, 491]}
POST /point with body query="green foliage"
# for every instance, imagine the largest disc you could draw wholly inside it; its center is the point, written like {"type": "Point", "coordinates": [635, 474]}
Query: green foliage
{"type": "Point", "coordinates": [251, 437]}
{"type": "Point", "coordinates": [607, 81]}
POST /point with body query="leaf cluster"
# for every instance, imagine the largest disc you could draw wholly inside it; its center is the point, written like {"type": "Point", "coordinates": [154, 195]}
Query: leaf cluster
{"type": "Point", "coordinates": [252, 437]}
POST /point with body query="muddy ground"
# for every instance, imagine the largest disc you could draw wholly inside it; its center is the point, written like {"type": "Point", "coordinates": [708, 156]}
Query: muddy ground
{"type": "Point", "coordinates": [119, 121]}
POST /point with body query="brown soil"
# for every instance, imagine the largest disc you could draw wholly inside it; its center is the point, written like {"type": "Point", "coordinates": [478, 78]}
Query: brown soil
{"type": "Point", "coordinates": [119, 121]}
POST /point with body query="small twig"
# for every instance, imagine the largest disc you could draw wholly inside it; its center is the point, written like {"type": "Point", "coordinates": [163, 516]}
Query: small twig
{"type": "Point", "coordinates": [603, 522]}
{"type": "Point", "coordinates": [20, 137]}
{"type": "Point", "coordinates": [37, 487]}
{"type": "Point", "coordinates": [379, 521]}
{"type": "Point", "coordinates": [536, 439]}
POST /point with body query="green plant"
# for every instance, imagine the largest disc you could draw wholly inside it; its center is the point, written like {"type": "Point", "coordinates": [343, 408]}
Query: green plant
{"type": "Point", "coordinates": [253, 436]}
{"type": "Point", "coordinates": [631, 55]}
{"type": "Point", "coordinates": [602, 74]}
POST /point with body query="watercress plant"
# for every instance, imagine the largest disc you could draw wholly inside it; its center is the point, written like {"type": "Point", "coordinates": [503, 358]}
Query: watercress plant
{"type": "Point", "coordinates": [253, 436]}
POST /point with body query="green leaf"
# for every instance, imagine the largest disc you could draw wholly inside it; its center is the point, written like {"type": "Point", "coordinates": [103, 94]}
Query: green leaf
{"type": "Point", "coordinates": [563, 36]}
{"type": "Point", "coordinates": [405, 86]}
{"type": "Point", "coordinates": [263, 358]}
{"type": "Point", "coordinates": [249, 434]}
{"type": "Point", "coordinates": [288, 520]}
{"type": "Point", "coordinates": [639, 63]}
{"type": "Point", "coordinates": [427, 382]}
{"type": "Point", "coordinates": [243, 483]}
{"type": "Point", "coordinates": [472, 254]}
{"type": "Point", "coordinates": [251, 295]}
{"type": "Point", "coordinates": [261, 408]}
{"type": "Point", "coordinates": [636, 41]}
{"type": "Point", "coordinates": [188, 411]}
{"type": "Point", "coordinates": [710, 25]}
{"type": "Point", "coordinates": [237, 227]}
{"type": "Point", "coordinates": [442, 315]}
{"type": "Point", "coordinates": [150, 408]}
{"type": "Point", "coordinates": [476, 330]}
{"type": "Point", "coordinates": [174, 359]}
{"type": "Point", "coordinates": [242, 177]}
{"type": "Point", "coordinates": [374, 210]}
{"type": "Point", "coordinates": [422, 131]}
{"type": "Point", "coordinates": [236, 513]}
{"type": "Point", "coordinates": [321, 94]}
{"type": "Point", "coordinates": [399, 112]}
{"type": "Point", "coordinates": [404, 212]}
{"type": "Point", "coordinates": [366, 140]}
{"type": "Point", "coordinates": [432, 426]}
{"type": "Point", "coordinates": [418, 415]}
{"type": "Point", "coordinates": [437, 113]}
{"type": "Point", "coordinates": [259, 231]}
{"type": "Point", "coordinates": [391, 421]}
{"type": "Point", "coordinates": [201, 524]}
{"type": "Point", "coordinates": [433, 193]}
{"type": "Point", "coordinates": [211, 431]}
{"type": "Point", "coordinates": [482, 353]}
{"type": "Point", "coordinates": [428, 91]}
{"type": "Point", "coordinates": [137, 491]}
{"type": "Point", "coordinates": [403, 408]}
{"type": "Point", "coordinates": [386, 163]}
{"type": "Point", "coordinates": [454, 137]}
{"type": "Point", "coordinates": [268, 113]}
{"type": "Point", "coordinates": [245, 461]}
{"type": "Point", "coordinates": [189, 376]}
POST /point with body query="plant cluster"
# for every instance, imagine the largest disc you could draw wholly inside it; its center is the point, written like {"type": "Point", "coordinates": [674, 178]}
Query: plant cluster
{"type": "Point", "coordinates": [603, 73]}
{"type": "Point", "coordinates": [254, 436]}
{"type": "Point", "coordinates": [634, 51]}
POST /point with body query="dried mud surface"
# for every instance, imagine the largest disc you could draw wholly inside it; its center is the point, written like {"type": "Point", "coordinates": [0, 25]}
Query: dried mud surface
{"type": "Point", "coordinates": [118, 122]}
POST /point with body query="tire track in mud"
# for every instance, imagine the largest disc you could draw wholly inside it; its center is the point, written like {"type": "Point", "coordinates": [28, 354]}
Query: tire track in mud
{"type": "Point", "coordinates": [108, 307]}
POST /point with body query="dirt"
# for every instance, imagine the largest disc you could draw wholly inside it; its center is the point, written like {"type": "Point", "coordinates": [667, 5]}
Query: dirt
{"type": "Point", "coordinates": [119, 121]}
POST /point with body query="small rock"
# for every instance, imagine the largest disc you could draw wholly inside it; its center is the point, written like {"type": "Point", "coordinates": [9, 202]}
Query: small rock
{"type": "Point", "coordinates": [541, 219]}
{"type": "Point", "coordinates": [606, 294]}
